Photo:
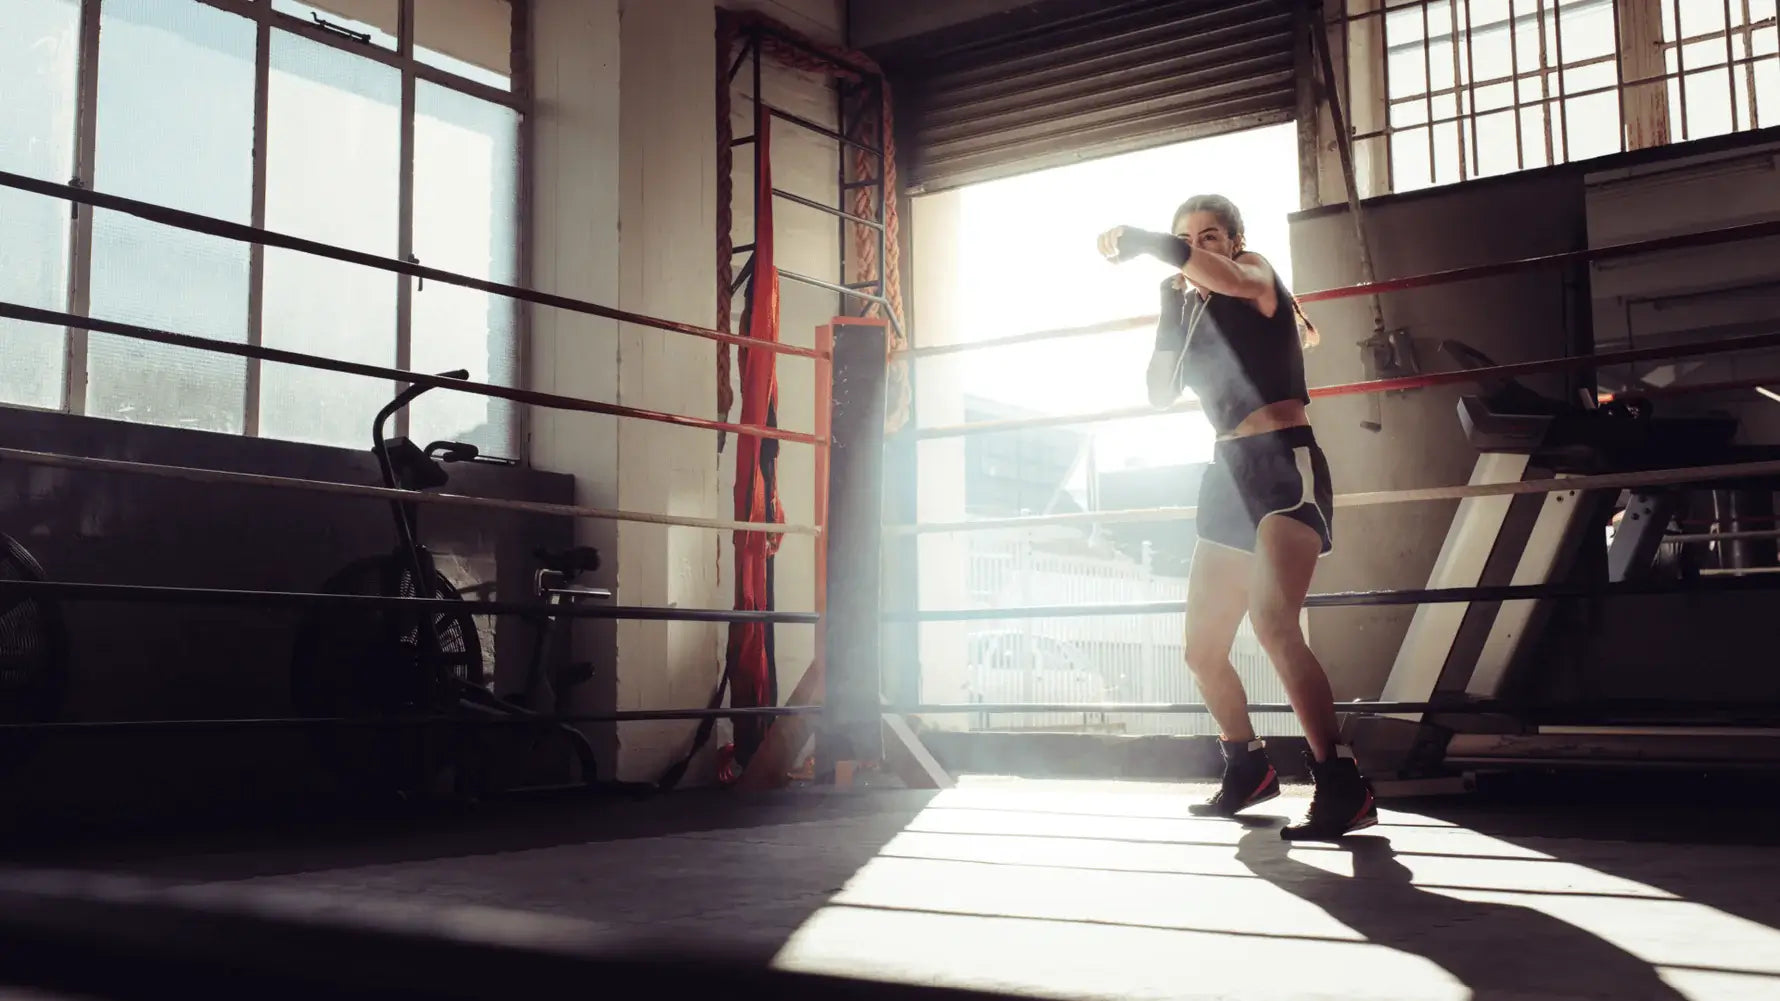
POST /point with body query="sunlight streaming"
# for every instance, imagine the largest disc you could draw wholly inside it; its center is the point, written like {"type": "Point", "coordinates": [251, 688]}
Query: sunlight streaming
{"type": "Point", "coordinates": [1076, 889]}
{"type": "Point", "coordinates": [1029, 263]}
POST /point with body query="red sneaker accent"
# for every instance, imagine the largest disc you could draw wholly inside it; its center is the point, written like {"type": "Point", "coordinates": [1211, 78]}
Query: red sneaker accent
{"type": "Point", "coordinates": [1364, 807]}
{"type": "Point", "coordinates": [1265, 779]}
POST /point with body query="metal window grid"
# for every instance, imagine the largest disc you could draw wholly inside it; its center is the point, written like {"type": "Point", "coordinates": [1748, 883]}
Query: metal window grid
{"type": "Point", "coordinates": [266, 19]}
{"type": "Point", "coordinates": [1542, 91]}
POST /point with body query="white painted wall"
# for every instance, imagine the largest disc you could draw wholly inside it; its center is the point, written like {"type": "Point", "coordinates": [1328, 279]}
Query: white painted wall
{"type": "Point", "coordinates": [575, 216]}
{"type": "Point", "coordinates": [625, 213]}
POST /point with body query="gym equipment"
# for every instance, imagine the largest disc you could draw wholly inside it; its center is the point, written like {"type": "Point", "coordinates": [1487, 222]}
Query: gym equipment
{"type": "Point", "coordinates": [387, 662]}
{"type": "Point", "coordinates": [1470, 655]}
{"type": "Point", "coordinates": [33, 653]}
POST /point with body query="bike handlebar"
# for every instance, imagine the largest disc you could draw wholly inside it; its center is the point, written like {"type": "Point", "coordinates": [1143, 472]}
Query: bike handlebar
{"type": "Point", "coordinates": [404, 398]}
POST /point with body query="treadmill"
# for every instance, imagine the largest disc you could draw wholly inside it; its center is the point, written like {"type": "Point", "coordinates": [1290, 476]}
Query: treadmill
{"type": "Point", "coordinates": [1484, 657]}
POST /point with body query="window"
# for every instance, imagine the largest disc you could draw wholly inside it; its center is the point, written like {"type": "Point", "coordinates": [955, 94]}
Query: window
{"type": "Point", "coordinates": [1723, 66]}
{"type": "Point", "coordinates": [390, 127]}
{"type": "Point", "coordinates": [183, 140]}
{"type": "Point", "coordinates": [39, 67]}
{"type": "Point", "coordinates": [1446, 90]}
{"type": "Point", "coordinates": [333, 174]}
{"type": "Point", "coordinates": [466, 156]}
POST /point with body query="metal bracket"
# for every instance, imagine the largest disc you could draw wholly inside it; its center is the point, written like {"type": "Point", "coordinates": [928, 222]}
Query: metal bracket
{"type": "Point", "coordinates": [1386, 356]}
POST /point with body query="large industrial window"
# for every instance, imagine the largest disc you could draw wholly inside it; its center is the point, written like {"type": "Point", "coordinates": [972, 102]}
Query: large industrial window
{"type": "Point", "coordinates": [1446, 90]}
{"type": "Point", "coordinates": [386, 126]}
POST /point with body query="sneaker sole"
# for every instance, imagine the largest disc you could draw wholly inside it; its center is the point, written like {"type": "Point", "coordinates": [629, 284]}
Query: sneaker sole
{"type": "Point", "coordinates": [1358, 825]}
{"type": "Point", "coordinates": [1258, 800]}
{"type": "Point", "coordinates": [1198, 810]}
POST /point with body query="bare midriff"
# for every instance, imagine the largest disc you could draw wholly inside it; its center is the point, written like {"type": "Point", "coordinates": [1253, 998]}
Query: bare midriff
{"type": "Point", "coordinates": [1272, 417]}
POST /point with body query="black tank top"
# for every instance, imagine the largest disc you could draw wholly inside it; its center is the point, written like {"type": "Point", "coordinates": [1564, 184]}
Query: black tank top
{"type": "Point", "coordinates": [1236, 360]}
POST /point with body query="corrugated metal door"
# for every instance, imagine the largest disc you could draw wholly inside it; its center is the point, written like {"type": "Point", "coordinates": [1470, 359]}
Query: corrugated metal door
{"type": "Point", "coordinates": [1123, 76]}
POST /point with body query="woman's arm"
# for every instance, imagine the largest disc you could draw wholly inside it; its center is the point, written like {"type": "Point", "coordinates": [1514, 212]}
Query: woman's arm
{"type": "Point", "coordinates": [1249, 276]}
{"type": "Point", "coordinates": [1164, 374]}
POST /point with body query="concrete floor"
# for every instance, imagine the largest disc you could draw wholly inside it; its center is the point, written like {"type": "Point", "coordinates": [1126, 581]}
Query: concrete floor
{"type": "Point", "coordinates": [1077, 889]}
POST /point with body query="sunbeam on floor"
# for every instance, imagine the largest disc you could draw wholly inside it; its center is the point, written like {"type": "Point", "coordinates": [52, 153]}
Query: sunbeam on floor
{"type": "Point", "coordinates": [1112, 890]}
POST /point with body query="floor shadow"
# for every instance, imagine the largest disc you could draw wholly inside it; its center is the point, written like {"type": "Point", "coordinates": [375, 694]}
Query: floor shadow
{"type": "Point", "coordinates": [701, 873]}
{"type": "Point", "coordinates": [1696, 835]}
{"type": "Point", "coordinates": [255, 850]}
{"type": "Point", "coordinates": [1495, 950]}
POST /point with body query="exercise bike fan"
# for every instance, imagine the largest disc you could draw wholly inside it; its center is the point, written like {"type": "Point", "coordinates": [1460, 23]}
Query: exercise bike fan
{"type": "Point", "coordinates": [33, 651]}
{"type": "Point", "coordinates": [368, 662]}
{"type": "Point", "coordinates": [368, 659]}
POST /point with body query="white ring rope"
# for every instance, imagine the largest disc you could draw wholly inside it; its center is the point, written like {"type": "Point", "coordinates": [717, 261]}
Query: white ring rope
{"type": "Point", "coordinates": [1601, 481]}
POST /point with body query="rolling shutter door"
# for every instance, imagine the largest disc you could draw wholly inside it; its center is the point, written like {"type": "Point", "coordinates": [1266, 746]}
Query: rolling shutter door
{"type": "Point", "coordinates": [1120, 77]}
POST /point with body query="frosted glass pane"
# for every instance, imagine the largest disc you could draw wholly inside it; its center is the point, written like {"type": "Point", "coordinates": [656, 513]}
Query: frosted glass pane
{"type": "Point", "coordinates": [39, 47]}
{"type": "Point", "coordinates": [466, 157]}
{"type": "Point", "coordinates": [175, 126]}
{"type": "Point", "coordinates": [471, 38]}
{"type": "Point", "coordinates": [374, 21]}
{"type": "Point", "coordinates": [332, 174]}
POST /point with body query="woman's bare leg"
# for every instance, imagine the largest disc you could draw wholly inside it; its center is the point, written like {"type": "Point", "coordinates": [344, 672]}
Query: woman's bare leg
{"type": "Point", "coordinates": [1217, 599]}
{"type": "Point", "coordinates": [1286, 553]}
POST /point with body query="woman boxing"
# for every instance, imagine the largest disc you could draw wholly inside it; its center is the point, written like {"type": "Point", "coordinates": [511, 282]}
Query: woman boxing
{"type": "Point", "coordinates": [1233, 333]}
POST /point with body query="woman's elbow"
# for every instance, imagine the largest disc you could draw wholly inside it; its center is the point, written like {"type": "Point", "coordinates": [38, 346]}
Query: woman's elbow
{"type": "Point", "coordinates": [1160, 379]}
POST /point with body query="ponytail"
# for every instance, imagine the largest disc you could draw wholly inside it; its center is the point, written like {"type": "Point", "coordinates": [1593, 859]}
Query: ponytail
{"type": "Point", "coordinates": [1307, 332]}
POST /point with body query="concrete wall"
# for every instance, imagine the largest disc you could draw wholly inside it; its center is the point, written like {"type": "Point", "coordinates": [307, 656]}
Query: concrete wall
{"type": "Point", "coordinates": [1513, 318]}
{"type": "Point", "coordinates": [625, 180]}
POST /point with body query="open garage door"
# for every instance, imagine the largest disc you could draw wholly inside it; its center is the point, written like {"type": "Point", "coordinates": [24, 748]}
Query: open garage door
{"type": "Point", "coordinates": [1109, 77]}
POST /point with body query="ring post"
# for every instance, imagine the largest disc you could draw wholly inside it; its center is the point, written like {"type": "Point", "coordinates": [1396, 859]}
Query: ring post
{"type": "Point", "coordinates": [852, 728]}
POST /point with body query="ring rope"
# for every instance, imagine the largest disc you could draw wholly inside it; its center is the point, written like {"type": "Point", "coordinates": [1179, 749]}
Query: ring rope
{"type": "Point", "coordinates": [1352, 599]}
{"type": "Point", "coordinates": [32, 314]}
{"type": "Point", "coordinates": [180, 219]}
{"type": "Point", "coordinates": [1724, 345]}
{"type": "Point", "coordinates": [1703, 238]}
{"type": "Point", "coordinates": [215, 596]}
{"type": "Point", "coordinates": [199, 475]}
{"type": "Point", "coordinates": [1600, 481]}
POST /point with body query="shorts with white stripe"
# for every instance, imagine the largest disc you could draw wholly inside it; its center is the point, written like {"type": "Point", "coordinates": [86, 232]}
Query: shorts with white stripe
{"type": "Point", "coordinates": [1280, 472]}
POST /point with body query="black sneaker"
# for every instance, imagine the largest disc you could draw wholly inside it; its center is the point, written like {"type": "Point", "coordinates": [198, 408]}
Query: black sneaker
{"type": "Point", "coordinates": [1343, 802]}
{"type": "Point", "coordinates": [1249, 778]}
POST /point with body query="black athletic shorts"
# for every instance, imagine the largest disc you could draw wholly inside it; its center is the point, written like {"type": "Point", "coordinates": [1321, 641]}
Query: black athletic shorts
{"type": "Point", "coordinates": [1281, 472]}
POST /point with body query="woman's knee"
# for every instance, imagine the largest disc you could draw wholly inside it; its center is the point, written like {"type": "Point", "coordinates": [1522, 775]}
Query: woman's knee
{"type": "Point", "coordinates": [1205, 655]}
{"type": "Point", "coordinates": [1276, 626]}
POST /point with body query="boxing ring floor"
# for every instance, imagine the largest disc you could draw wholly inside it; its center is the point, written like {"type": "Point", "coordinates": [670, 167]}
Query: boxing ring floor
{"type": "Point", "coordinates": [1081, 889]}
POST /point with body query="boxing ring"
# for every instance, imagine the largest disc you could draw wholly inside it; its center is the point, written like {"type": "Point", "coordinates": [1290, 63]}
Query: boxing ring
{"type": "Point", "coordinates": [853, 356]}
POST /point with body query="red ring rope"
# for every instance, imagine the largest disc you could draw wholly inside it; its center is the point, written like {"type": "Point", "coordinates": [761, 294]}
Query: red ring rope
{"type": "Point", "coordinates": [531, 397]}
{"type": "Point", "coordinates": [1703, 238]}
{"type": "Point", "coordinates": [209, 225]}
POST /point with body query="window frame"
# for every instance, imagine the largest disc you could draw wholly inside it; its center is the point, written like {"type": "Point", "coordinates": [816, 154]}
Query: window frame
{"type": "Point", "coordinates": [1649, 116]}
{"type": "Point", "coordinates": [518, 98]}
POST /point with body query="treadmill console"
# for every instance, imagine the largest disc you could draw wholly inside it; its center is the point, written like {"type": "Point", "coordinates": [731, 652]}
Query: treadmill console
{"type": "Point", "coordinates": [1490, 430]}
{"type": "Point", "coordinates": [1623, 433]}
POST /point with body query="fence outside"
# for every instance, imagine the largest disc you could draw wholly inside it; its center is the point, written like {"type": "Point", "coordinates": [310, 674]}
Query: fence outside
{"type": "Point", "coordinates": [1119, 658]}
